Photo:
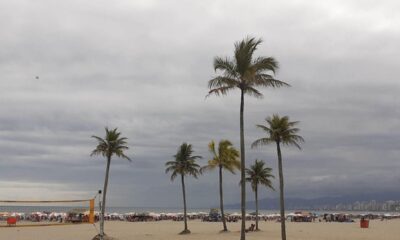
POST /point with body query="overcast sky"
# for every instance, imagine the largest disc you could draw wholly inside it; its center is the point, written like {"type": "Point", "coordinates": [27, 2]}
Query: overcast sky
{"type": "Point", "coordinates": [143, 66]}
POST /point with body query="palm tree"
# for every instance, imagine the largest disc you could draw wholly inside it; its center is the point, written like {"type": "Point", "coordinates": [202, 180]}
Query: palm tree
{"type": "Point", "coordinates": [280, 130]}
{"type": "Point", "coordinates": [245, 73]}
{"type": "Point", "coordinates": [184, 164]}
{"type": "Point", "coordinates": [111, 145]}
{"type": "Point", "coordinates": [258, 174]}
{"type": "Point", "coordinates": [226, 158]}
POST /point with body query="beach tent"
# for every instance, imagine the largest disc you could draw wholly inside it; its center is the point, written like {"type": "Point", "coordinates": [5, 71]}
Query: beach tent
{"type": "Point", "coordinates": [88, 212]}
{"type": "Point", "coordinates": [235, 214]}
{"type": "Point", "coordinates": [154, 215]}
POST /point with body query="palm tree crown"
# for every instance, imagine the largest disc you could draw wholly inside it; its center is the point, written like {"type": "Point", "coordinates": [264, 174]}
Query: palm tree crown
{"type": "Point", "coordinates": [280, 130]}
{"type": "Point", "coordinates": [111, 145]}
{"type": "Point", "coordinates": [226, 157]}
{"type": "Point", "coordinates": [184, 164]}
{"type": "Point", "coordinates": [258, 174]}
{"type": "Point", "coordinates": [243, 71]}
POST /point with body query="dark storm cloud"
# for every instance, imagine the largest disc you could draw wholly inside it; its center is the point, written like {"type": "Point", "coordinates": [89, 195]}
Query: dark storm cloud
{"type": "Point", "coordinates": [143, 67]}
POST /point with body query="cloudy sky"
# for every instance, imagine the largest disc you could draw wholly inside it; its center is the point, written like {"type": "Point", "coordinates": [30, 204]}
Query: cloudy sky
{"type": "Point", "coordinates": [143, 66]}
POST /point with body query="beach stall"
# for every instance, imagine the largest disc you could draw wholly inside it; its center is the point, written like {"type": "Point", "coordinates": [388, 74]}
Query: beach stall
{"type": "Point", "coordinates": [77, 216]}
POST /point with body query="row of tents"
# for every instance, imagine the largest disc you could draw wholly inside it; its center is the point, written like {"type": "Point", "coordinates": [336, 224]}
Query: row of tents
{"type": "Point", "coordinates": [301, 216]}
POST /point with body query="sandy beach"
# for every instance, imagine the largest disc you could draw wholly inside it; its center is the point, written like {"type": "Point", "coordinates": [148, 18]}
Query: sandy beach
{"type": "Point", "coordinates": [165, 230]}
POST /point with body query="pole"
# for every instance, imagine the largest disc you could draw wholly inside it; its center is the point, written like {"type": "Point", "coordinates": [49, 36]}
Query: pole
{"type": "Point", "coordinates": [91, 211]}
{"type": "Point", "coordinates": [101, 218]}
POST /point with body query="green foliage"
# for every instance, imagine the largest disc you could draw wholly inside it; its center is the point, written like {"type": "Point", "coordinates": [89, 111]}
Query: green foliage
{"type": "Point", "coordinates": [111, 145]}
{"type": "Point", "coordinates": [226, 157]}
{"type": "Point", "coordinates": [279, 130]}
{"type": "Point", "coordinates": [258, 174]}
{"type": "Point", "coordinates": [244, 71]}
{"type": "Point", "coordinates": [184, 163]}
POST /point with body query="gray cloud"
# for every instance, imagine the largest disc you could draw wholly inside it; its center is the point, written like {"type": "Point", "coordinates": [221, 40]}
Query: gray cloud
{"type": "Point", "coordinates": [143, 67]}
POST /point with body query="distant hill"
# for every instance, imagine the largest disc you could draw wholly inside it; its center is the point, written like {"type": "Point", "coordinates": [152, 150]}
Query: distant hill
{"type": "Point", "coordinates": [301, 203]}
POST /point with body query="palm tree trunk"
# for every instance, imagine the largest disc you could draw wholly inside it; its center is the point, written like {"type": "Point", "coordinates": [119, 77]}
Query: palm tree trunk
{"type": "Point", "coordinates": [256, 193]}
{"type": "Point", "coordinates": [282, 198]}
{"type": "Point", "coordinates": [103, 206]}
{"type": "Point", "coordinates": [242, 172]}
{"type": "Point", "coordinates": [186, 230]}
{"type": "Point", "coordinates": [221, 200]}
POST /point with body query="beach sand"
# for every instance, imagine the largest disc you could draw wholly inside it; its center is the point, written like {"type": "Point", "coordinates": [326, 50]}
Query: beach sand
{"type": "Point", "coordinates": [168, 230]}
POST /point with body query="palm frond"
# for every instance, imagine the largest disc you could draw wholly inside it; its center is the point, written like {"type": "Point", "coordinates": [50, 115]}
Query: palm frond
{"type": "Point", "coordinates": [264, 128]}
{"type": "Point", "coordinates": [266, 80]}
{"type": "Point", "coordinates": [226, 65]}
{"type": "Point", "coordinates": [222, 81]}
{"type": "Point", "coordinates": [261, 142]}
{"type": "Point", "coordinates": [221, 85]}
{"type": "Point", "coordinates": [244, 51]}
{"type": "Point", "coordinates": [262, 64]}
{"type": "Point", "coordinates": [220, 91]}
{"type": "Point", "coordinates": [122, 155]}
{"type": "Point", "coordinates": [253, 92]}
{"type": "Point", "coordinates": [173, 176]}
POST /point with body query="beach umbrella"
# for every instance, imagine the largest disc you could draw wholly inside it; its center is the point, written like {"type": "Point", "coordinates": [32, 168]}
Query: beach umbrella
{"type": "Point", "coordinates": [130, 213]}
{"type": "Point", "coordinates": [235, 214]}
{"type": "Point", "coordinates": [153, 214]}
{"type": "Point", "coordinates": [171, 214]}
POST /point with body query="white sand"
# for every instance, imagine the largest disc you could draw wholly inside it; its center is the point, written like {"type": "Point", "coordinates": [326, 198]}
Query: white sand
{"type": "Point", "coordinates": [165, 230]}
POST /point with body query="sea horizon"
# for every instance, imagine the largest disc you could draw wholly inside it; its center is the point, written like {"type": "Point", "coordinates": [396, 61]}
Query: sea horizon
{"type": "Point", "coordinates": [129, 209]}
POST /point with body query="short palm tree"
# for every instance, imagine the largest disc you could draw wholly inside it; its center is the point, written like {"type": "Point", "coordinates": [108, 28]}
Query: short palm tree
{"type": "Point", "coordinates": [258, 174]}
{"type": "Point", "coordinates": [225, 158]}
{"type": "Point", "coordinates": [246, 73]}
{"type": "Point", "coordinates": [280, 131]}
{"type": "Point", "coordinates": [183, 165]}
{"type": "Point", "coordinates": [112, 144]}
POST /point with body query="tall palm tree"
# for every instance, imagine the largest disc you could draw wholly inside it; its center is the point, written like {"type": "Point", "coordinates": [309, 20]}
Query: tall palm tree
{"type": "Point", "coordinates": [246, 73]}
{"type": "Point", "coordinates": [183, 165]}
{"type": "Point", "coordinates": [280, 131]}
{"type": "Point", "coordinates": [112, 144]}
{"type": "Point", "coordinates": [258, 174]}
{"type": "Point", "coordinates": [226, 158]}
